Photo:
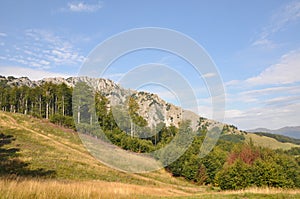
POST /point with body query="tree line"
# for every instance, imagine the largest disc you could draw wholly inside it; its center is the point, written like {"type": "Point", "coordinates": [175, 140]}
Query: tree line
{"type": "Point", "coordinates": [45, 101]}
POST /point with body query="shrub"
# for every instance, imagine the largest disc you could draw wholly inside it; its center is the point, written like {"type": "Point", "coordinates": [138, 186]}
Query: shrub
{"type": "Point", "coordinates": [61, 120]}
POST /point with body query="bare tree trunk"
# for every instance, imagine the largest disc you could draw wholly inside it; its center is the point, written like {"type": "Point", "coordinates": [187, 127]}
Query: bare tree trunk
{"type": "Point", "coordinates": [26, 107]}
{"type": "Point", "coordinates": [155, 137]}
{"type": "Point", "coordinates": [32, 105]}
{"type": "Point", "coordinates": [47, 110]}
{"type": "Point", "coordinates": [131, 129]}
{"type": "Point", "coordinates": [63, 105]}
{"type": "Point", "coordinates": [55, 105]}
{"type": "Point", "coordinates": [40, 108]}
{"type": "Point", "coordinates": [78, 112]}
{"type": "Point", "coordinates": [52, 102]}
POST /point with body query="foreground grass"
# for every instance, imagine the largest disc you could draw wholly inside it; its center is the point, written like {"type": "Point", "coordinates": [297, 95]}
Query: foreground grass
{"type": "Point", "coordinates": [45, 189]}
{"type": "Point", "coordinates": [74, 189]}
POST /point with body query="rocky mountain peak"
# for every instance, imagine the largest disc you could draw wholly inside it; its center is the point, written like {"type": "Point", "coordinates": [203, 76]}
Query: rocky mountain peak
{"type": "Point", "coordinates": [151, 107]}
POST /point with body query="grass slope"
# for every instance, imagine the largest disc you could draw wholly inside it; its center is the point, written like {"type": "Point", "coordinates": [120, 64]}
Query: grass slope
{"type": "Point", "coordinates": [46, 146]}
{"type": "Point", "coordinates": [268, 142]}
{"type": "Point", "coordinates": [280, 138]}
{"type": "Point", "coordinates": [71, 172]}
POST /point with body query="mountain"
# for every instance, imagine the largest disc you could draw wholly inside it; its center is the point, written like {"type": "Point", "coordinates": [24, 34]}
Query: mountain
{"type": "Point", "coordinates": [151, 107]}
{"type": "Point", "coordinates": [291, 131]}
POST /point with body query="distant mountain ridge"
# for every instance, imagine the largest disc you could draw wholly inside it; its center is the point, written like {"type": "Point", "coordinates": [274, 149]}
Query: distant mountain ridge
{"type": "Point", "coordinates": [290, 131]}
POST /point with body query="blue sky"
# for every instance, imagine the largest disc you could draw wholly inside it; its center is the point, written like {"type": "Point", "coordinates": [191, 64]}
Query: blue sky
{"type": "Point", "coordinates": [254, 44]}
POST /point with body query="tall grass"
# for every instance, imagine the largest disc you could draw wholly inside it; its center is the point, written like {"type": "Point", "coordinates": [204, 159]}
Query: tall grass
{"type": "Point", "coordinates": [53, 189]}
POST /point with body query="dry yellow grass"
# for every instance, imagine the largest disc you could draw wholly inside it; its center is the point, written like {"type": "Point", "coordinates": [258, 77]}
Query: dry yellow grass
{"type": "Point", "coordinates": [266, 190]}
{"type": "Point", "coordinates": [54, 189]}
{"type": "Point", "coordinates": [79, 189]}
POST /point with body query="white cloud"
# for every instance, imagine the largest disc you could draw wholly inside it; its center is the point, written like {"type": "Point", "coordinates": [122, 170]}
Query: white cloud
{"type": "Point", "coordinates": [209, 75]}
{"type": "Point", "coordinates": [32, 74]}
{"type": "Point", "coordinates": [268, 117]}
{"type": "Point", "coordinates": [2, 34]}
{"type": "Point", "coordinates": [233, 113]}
{"type": "Point", "coordinates": [266, 91]}
{"type": "Point", "coordinates": [44, 49]}
{"type": "Point", "coordinates": [271, 107]}
{"type": "Point", "coordinates": [282, 100]}
{"type": "Point", "coordinates": [232, 83]}
{"type": "Point", "coordinates": [84, 7]}
{"type": "Point", "coordinates": [283, 17]}
{"type": "Point", "coordinates": [266, 43]}
{"type": "Point", "coordinates": [272, 99]}
{"type": "Point", "coordinates": [285, 72]}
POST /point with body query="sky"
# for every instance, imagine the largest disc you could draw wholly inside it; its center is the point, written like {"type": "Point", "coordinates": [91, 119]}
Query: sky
{"type": "Point", "coordinates": [255, 46]}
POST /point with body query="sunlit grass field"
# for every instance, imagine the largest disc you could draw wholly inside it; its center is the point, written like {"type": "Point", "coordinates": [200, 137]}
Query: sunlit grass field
{"type": "Point", "coordinates": [269, 142]}
{"type": "Point", "coordinates": [69, 171]}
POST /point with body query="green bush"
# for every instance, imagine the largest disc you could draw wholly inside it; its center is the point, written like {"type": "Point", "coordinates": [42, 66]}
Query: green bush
{"type": "Point", "coordinates": [62, 120]}
{"type": "Point", "coordinates": [235, 176]}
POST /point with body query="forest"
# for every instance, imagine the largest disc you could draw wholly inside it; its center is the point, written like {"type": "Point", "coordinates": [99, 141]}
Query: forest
{"type": "Point", "coordinates": [232, 164]}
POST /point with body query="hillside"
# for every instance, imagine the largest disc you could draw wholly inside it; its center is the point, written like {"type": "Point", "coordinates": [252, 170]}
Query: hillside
{"type": "Point", "coordinates": [269, 142]}
{"type": "Point", "coordinates": [280, 138]}
{"type": "Point", "coordinates": [49, 151]}
{"type": "Point", "coordinates": [52, 161]}
{"type": "Point", "coordinates": [56, 156]}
